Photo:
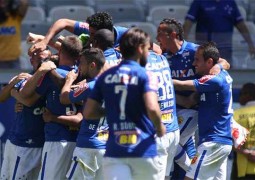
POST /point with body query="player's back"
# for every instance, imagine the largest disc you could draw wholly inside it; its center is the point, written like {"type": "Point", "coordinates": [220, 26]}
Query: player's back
{"type": "Point", "coordinates": [122, 88]}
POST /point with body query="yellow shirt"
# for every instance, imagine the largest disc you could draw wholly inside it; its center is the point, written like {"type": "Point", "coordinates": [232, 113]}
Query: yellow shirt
{"type": "Point", "coordinates": [10, 38]}
{"type": "Point", "coordinates": [245, 116]}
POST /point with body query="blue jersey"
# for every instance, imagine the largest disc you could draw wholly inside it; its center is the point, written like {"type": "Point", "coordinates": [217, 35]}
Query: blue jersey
{"type": "Point", "coordinates": [166, 96]}
{"type": "Point", "coordinates": [81, 27]}
{"type": "Point", "coordinates": [56, 131]}
{"type": "Point", "coordinates": [215, 20]}
{"type": "Point", "coordinates": [93, 133]}
{"type": "Point", "coordinates": [131, 133]}
{"type": "Point", "coordinates": [112, 56]}
{"type": "Point", "coordinates": [215, 108]}
{"type": "Point", "coordinates": [181, 65]}
{"type": "Point", "coordinates": [28, 128]}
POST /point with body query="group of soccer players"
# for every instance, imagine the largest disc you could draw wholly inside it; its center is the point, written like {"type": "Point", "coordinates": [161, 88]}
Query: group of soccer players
{"type": "Point", "coordinates": [94, 113]}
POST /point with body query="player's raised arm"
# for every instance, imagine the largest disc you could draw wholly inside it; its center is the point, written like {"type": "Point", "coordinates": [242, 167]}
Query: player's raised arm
{"type": "Point", "coordinates": [184, 85]}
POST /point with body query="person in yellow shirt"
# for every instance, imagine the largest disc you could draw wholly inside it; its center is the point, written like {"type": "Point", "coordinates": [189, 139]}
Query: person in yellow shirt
{"type": "Point", "coordinates": [11, 14]}
{"type": "Point", "coordinates": [245, 116]}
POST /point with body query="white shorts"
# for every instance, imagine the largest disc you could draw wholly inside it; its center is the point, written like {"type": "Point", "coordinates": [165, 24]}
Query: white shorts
{"type": "Point", "coordinates": [182, 158]}
{"type": "Point", "coordinates": [210, 161]}
{"type": "Point", "coordinates": [87, 164]}
{"type": "Point", "coordinates": [56, 160]}
{"type": "Point", "coordinates": [131, 168]}
{"type": "Point", "coordinates": [20, 162]}
{"type": "Point", "coordinates": [167, 146]}
{"type": "Point", "coordinates": [187, 120]}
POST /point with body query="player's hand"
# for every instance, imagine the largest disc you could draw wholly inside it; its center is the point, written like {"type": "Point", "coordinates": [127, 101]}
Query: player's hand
{"type": "Point", "coordinates": [18, 107]}
{"type": "Point", "coordinates": [47, 66]}
{"type": "Point", "coordinates": [71, 76]}
{"type": "Point", "coordinates": [19, 77]}
{"type": "Point", "coordinates": [161, 130]}
{"type": "Point", "coordinates": [34, 38]}
{"type": "Point", "coordinates": [37, 47]}
{"type": "Point", "coordinates": [215, 70]}
{"type": "Point", "coordinates": [47, 116]}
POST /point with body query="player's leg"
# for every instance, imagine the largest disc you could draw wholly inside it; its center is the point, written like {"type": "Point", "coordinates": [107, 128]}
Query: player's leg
{"type": "Point", "coordinates": [162, 147]}
{"type": "Point", "coordinates": [8, 161]}
{"type": "Point", "coordinates": [187, 120]}
{"type": "Point", "coordinates": [56, 160]}
{"type": "Point", "coordinates": [117, 168]}
{"type": "Point", "coordinates": [208, 160]}
{"type": "Point", "coordinates": [86, 163]}
{"type": "Point", "coordinates": [174, 139]}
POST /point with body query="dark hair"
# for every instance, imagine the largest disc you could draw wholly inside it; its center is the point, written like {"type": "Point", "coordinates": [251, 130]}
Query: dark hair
{"type": "Point", "coordinates": [72, 46]}
{"type": "Point", "coordinates": [248, 89]}
{"type": "Point", "coordinates": [104, 39]}
{"type": "Point", "coordinates": [95, 55]}
{"type": "Point", "coordinates": [174, 26]}
{"type": "Point", "coordinates": [210, 51]}
{"type": "Point", "coordinates": [10, 8]}
{"type": "Point", "coordinates": [100, 20]}
{"type": "Point", "coordinates": [131, 39]}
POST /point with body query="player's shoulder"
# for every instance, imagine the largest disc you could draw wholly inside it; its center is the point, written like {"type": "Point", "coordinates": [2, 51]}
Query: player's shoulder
{"type": "Point", "coordinates": [191, 46]}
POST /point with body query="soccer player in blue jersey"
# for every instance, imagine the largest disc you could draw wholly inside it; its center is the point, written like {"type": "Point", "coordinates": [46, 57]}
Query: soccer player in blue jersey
{"type": "Point", "coordinates": [167, 145]}
{"type": "Point", "coordinates": [62, 120]}
{"type": "Point", "coordinates": [215, 21]}
{"type": "Point", "coordinates": [214, 117]}
{"type": "Point", "coordinates": [90, 145]}
{"type": "Point", "coordinates": [129, 93]}
{"type": "Point", "coordinates": [23, 149]}
{"type": "Point", "coordinates": [104, 40]}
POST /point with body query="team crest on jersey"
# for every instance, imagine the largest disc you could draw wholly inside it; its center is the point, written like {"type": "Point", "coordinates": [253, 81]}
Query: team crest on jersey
{"type": "Point", "coordinates": [80, 89]}
{"type": "Point", "coordinates": [194, 159]}
{"type": "Point", "coordinates": [185, 54]}
{"type": "Point", "coordinates": [40, 80]}
{"type": "Point", "coordinates": [84, 25]}
{"type": "Point", "coordinates": [205, 78]}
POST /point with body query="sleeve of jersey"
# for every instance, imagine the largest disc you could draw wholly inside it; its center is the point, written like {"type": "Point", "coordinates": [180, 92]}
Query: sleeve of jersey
{"type": "Point", "coordinates": [193, 11]}
{"type": "Point", "coordinates": [119, 33]}
{"type": "Point", "coordinates": [96, 93]}
{"type": "Point", "coordinates": [20, 84]}
{"type": "Point", "coordinates": [208, 83]}
{"type": "Point", "coordinates": [150, 82]}
{"type": "Point", "coordinates": [42, 85]}
{"type": "Point", "coordinates": [81, 27]}
{"type": "Point", "coordinates": [81, 93]}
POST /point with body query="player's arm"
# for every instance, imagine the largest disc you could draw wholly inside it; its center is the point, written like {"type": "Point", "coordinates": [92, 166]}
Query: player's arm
{"type": "Point", "coordinates": [57, 27]}
{"type": "Point", "coordinates": [64, 96]}
{"type": "Point", "coordinates": [26, 101]}
{"type": "Point", "coordinates": [242, 28]}
{"type": "Point", "coordinates": [222, 64]}
{"type": "Point", "coordinates": [187, 102]}
{"type": "Point", "coordinates": [153, 111]}
{"type": "Point", "coordinates": [5, 93]}
{"type": "Point", "coordinates": [93, 110]}
{"type": "Point", "coordinates": [187, 27]}
{"type": "Point", "coordinates": [187, 85]}
{"type": "Point", "coordinates": [30, 86]}
{"type": "Point", "coordinates": [73, 120]}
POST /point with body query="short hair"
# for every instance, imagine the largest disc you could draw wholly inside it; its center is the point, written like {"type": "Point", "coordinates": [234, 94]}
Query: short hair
{"type": "Point", "coordinates": [100, 20]}
{"type": "Point", "coordinates": [72, 46]}
{"type": "Point", "coordinates": [104, 38]}
{"type": "Point", "coordinates": [95, 55]}
{"type": "Point", "coordinates": [174, 26]}
{"type": "Point", "coordinates": [131, 39]}
{"type": "Point", "coordinates": [210, 51]}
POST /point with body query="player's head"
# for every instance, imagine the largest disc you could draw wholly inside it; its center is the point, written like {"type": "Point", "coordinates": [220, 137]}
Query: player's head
{"type": "Point", "coordinates": [206, 56]}
{"type": "Point", "coordinates": [91, 62]}
{"type": "Point", "coordinates": [134, 45]}
{"type": "Point", "coordinates": [71, 48]}
{"type": "Point", "coordinates": [103, 39]}
{"type": "Point", "coordinates": [99, 20]}
{"type": "Point", "coordinates": [169, 30]}
{"type": "Point", "coordinates": [247, 93]}
{"type": "Point", "coordinates": [37, 58]}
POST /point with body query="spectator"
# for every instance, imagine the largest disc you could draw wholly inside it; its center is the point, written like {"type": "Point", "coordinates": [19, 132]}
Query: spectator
{"type": "Point", "coordinates": [246, 117]}
{"type": "Point", "coordinates": [11, 15]}
{"type": "Point", "coordinates": [215, 22]}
